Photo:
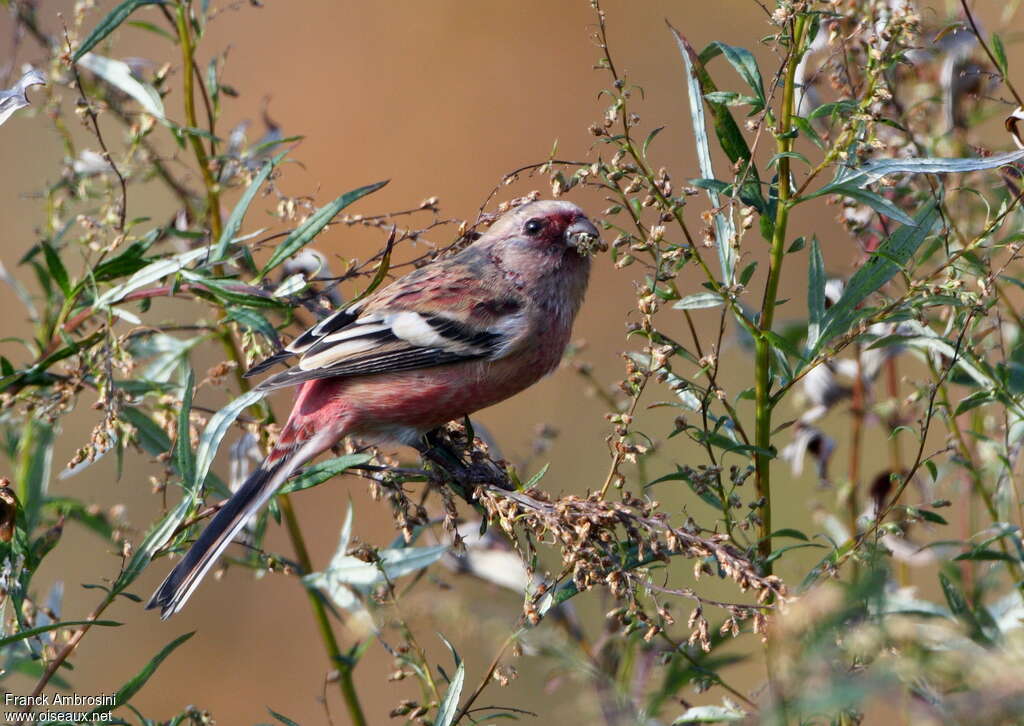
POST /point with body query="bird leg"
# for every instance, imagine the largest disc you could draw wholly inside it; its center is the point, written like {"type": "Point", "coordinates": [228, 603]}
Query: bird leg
{"type": "Point", "coordinates": [438, 449]}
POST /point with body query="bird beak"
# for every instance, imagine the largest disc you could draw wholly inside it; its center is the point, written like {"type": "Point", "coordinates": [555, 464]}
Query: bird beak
{"type": "Point", "coordinates": [581, 233]}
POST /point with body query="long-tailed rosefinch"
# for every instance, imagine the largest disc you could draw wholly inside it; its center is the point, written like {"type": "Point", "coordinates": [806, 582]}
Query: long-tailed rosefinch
{"type": "Point", "coordinates": [448, 339]}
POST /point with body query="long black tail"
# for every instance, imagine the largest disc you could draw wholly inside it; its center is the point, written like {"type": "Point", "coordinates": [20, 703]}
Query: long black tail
{"type": "Point", "coordinates": [175, 591]}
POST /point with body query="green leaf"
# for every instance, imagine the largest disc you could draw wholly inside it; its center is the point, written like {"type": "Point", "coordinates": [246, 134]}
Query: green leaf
{"type": "Point", "coordinates": [234, 222]}
{"type": "Point", "coordinates": [873, 171]}
{"type": "Point", "coordinates": [698, 300]}
{"type": "Point", "coordinates": [254, 322]}
{"type": "Point", "coordinates": [877, 202]}
{"type": "Point", "coordinates": [151, 28]}
{"type": "Point", "coordinates": [962, 610]}
{"type": "Point", "coordinates": [841, 109]}
{"type": "Point", "coordinates": [57, 270]}
{"type": "Point", "coordinates": [283, 719]}
{"type": "Point", "coordinates": [650, 138]}
{"type": "Point", "coordinates": [159, 536]}
{"type": "Point", "coordinates": [215, 430]}
{"type": "Point", "coordinates": [745, 64]}
{"type": "Point", "coordinates": [886, 261]}
{"type": "Point", "coordinates": [986, 555]}
{"type": "Point", "coordinates": [783, 550]}
{"type": "Point", "coordinates": [807, 130]}
{"type": "Point", "coordinates": [390, 565]}
{"type": "Point", "coordinates": [449, 707]}
{"type": "Point", "coordinates": [747, 273]}
{"type": "Point", "coordinates": [787, 155]}
{"type": "Point", "coordinates": [702, 490]}
{"type": "Point", "coordinates": [126, 692]}
{"type": "Point", "coordinates": [151, 273]}
{"type": "Point", "coordinates": [72, 509]}
{"type": "Point", "coordinates": [1000, 54]}
{"type": "Point", "coordinates": [323, 471]}
{"type": "Point", "coordinates": [382, 269]}
{"type": "Point", "coordinates": [725, 231]}
{"type": "Point", "coordinates": [815, 293]}
{"type": "Point", "coordinates": [232, 291]}
{"type": "Point", "coordinates": [304, 233]}
{"type": "Point", "coordinates": [183, 455]}
{"type": "Point", "coordinates": [535, 479]}
{"type": "Point", "coordinates": [33, 632]}
{"type": "Point", "coordinates": [978, 398]}
{"type": "Point", "coordinates": [127, 263]}
{"type": "Point", "coordinates": [119, 74]}
{"type": "Point", "coordinates": [35, 457]}
{"type": "Point", "coordinates": [113, 19]}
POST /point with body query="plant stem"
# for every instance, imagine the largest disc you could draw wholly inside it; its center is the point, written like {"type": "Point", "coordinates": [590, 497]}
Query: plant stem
{"type": "Point", "coordinates": [763, 347]}
{"type": "Point", "coordinates": [212, 187]}
{"type": "Point", "coordinates": [66, 651]}
{"type": "Point", "coordinates": [344, 665]}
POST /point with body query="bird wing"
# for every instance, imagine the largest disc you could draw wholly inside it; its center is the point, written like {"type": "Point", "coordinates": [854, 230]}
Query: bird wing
{"type": "Point", "coordinates": [436, 315]}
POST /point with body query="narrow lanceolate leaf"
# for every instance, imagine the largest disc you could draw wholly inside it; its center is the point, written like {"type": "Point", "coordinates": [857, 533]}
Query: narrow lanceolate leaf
{"type": "Point", "coordinates": [815, 294]}
{"type": "Point", "coordinates": [283, 719]}
{"type": "Point", "coordinates": [892, 255]}
{"type": "Point", "coordinates": [999, 51]}
{"type": "Point", "coordinates": [215, 430]}
{"type": "Point", "coordinates": [390, 565]}
{"type": "Point", "coordinates": [255, 323]}
{"type": "Point", "coordinates": [699, 300]}
{"type": "Point", "coordinates": [119, 75]}
{"type": "Point", "coordinates": [304, 233]}
{"type": "Point", "coordinates": [962, 610]}
{"type": "Point", "coordinates": [113, 19]}
{"type": "Point", "coordinates": [159, 536]}
{"type": "Point", "coordinates": [56, 268]}
{"type": "Point", "coordinates": [725, 231]}
{"type": "Point", "coordinates": [875, 170]}
{"type": "Point", "coordinates": [35, 456]}
{"type": "Point", "coordinates": [33, 632]}
{"type": "Point", "coordinates": [183, 455]}
{"type": "Point", "coordinates": [382, 269]}
{"type": "Point", "coordinates": [745, 64]}
{"type": "Point", "coordinates": [449, 707]}
{"type": "Point", "coordinates": [234, 222]}
{"type": "Point", "coordinates": [126, 692]}
{"type": "Point", "coordinates": [319, 473]}
{"type": "Point", "coordinates": [151, 273]}
{"type": "Point", "coordinates": [876, 201]}
{"type": "Point", "coordinates": [346, 573]}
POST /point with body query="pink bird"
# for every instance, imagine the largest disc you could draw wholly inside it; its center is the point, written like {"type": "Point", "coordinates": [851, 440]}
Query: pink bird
{"type": "Point", "coordinates": [440, 343]}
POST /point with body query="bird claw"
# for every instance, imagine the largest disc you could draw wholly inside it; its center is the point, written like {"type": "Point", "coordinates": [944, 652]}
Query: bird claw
{"type": "Point", "coordinates": [449, 467]}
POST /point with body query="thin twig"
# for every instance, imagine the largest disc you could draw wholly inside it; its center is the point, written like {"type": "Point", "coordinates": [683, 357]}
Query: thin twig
{"type": "Point", "coordinates": [91, 113]}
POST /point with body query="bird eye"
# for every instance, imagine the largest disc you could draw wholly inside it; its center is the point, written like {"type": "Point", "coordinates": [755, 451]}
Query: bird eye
{"type": "Point", "coordinates": [534, 227]}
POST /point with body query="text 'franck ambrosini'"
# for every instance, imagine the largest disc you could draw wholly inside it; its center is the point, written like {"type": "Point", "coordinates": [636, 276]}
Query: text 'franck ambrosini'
{"type": "Point", "coordinates": [60, 699]}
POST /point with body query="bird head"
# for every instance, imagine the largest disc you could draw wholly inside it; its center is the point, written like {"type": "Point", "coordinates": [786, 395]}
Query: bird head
{"type": "Point", "coordinates": [548, 226]}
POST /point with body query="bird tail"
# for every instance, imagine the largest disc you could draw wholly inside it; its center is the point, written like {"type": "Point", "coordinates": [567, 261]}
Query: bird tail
{"type": "Point", "coordinates": [257, 490]}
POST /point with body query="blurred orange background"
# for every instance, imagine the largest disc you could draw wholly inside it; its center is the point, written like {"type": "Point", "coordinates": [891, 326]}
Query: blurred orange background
{"type": "Point", "coordinates": [443, 98]}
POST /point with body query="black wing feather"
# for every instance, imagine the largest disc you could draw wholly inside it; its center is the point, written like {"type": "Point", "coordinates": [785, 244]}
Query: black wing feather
{"type": "Point", "coordinates": [368, 365]}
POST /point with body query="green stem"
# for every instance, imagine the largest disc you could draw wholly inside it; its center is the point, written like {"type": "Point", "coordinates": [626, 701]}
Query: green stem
{"type": "Point", "coordinates": [344, 665]}
{"type": "Point", "coordinates": [763, 348]}
{"type": "Point", "coordinates": [212, 187]}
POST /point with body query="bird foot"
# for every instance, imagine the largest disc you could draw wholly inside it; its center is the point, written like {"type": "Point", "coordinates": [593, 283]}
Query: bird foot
{"type": "Point", "coordinates": [451, 466]}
